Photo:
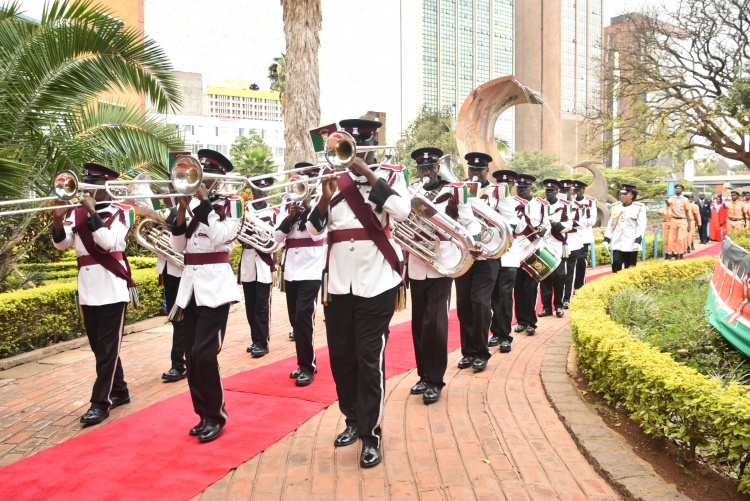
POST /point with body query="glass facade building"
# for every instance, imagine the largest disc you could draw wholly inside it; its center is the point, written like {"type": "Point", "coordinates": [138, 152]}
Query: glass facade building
{"type": "Point", "coordinates": [581, 51]}
{"type": "Point", "coordinates": [465, 43]}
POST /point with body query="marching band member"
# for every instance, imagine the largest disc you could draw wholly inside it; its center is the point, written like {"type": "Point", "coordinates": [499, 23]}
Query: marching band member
{"type": "Point", "coordinates": [206, 290]}
{"type": "Point", "coordinates": [474, 288]}
{"type": "Point", "coordinates": [533, 212]}
{"type": "Point", "coordinates": [363, 280]}
{"type": "Point", "coordinates": [558, 220]}
{"type": "Point", "coordinates": [431, 291]}
{"type": "Point", "coordinates": [575, 242]}
{"type": "Point", "coordinates": [255, 273]}
{"type": "Point", "coordinates": [502, 294]}
{"type": "Point", "coordinates": [303, 263]}
{"type": "Point", "coordinates": [97, 230]}
{"type": "Point", "coordinates": [625, 228]}
{"type": "Point", "coordinates": [587, 206]}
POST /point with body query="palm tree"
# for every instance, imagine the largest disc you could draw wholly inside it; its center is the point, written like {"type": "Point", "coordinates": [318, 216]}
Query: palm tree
{"type": "Point", "coordinates": [301, 104]}
{"type": "Point", "coordinates": [277, 75]}
{"type": "Point", "coordinates": [50, 120]}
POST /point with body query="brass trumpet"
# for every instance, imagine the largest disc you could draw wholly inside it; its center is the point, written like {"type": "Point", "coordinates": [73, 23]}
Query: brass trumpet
{"type": "Point", "coordinates": [65, 186]}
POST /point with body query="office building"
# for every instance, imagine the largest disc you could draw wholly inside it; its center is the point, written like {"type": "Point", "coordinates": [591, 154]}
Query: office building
{"type": "Point", "coordinates": [241, 100]}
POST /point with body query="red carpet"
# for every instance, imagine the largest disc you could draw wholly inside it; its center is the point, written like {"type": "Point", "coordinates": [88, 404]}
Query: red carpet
{"type": "Point", "coordinates": [149, 454]}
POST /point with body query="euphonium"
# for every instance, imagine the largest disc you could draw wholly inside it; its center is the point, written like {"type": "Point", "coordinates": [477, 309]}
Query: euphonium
{"type": "Point", "coordinates": [153, 235]}
{"type": "Point", "coordinates": [422, 233]}
{"type": "Point", "coordinates": [496, 235]}
{"type": "Point", "coordinates": [257, 233]}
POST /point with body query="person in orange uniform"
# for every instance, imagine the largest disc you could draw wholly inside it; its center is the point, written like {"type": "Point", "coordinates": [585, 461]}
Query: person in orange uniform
{"type": "Point", "coordinates": [679, 213]}
{"type": "Point", "coordinates": [735, 213]}
{"type": "Point", "coordinates": [746, 195]}
{"type": "Point", "coordinates": [692, 235]}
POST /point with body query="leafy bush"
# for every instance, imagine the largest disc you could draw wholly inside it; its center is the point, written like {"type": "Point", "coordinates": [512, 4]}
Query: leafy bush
{"type": "Point", "coordinates": [667, 398]}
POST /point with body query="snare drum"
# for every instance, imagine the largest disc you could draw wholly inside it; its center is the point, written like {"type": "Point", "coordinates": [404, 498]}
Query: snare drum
{"type": "Point", "coordinates": [540, 261]}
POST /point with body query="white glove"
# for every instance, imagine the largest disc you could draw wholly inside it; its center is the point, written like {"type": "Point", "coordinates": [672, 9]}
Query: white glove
{"type": "Point", "coordinates": [606, 245]}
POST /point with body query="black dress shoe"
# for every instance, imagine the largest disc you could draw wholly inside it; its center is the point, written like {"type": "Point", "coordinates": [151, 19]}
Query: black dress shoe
{"type": "Point", "coordinates": [251, 348]}
{"type": "Point", "coordinates": [296, 374]}
{"type": "Point", "coordinates": [559, 313]}
{"type": "Point", "coordinates": [305, 378]}
{"type": "Point", "coordinates": [259, 352]}
{"type": "Point", "coordinates": [432, 394]}
{"type": "Point", "coordinates": [198, 428]}
{"type": "Point", "coordinates": [479, 364]}
{"type": "Point", "coordinates": [465, 362]}
{"type": "Point", "coordinates": [173, 375]}
{"type": "Point", "coordinates": [291, 336]}
{"type": "Point", "coordinates": [545, 313]}
{"type": "Point", "coordinates": [565, 305]}
{"type": "Point", "coordinates": [494, 341]}
{"type": "Point", "coordinates": [519, 328]}
{"type": "Point", "coordinates": [418, 388]}
{"type": "Point", "coordinates": [210, 431]}
{"type": "Point", "coordinates": [94, 416]}
{"type": "Point", "coordinates": [505, 346]}
{"type": "Point", "coordinates": [347, 437]}
{"type": "Point", "coordinates": [530, 330]}
{"type": "Point", "coordinates": [118, 401]}
{"type": "Point", "coordinates": [370, 457]}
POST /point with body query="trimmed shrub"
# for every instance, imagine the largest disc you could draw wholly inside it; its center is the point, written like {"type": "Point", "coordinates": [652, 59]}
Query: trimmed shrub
{"type": "Point", "coordinates": [667, 398]}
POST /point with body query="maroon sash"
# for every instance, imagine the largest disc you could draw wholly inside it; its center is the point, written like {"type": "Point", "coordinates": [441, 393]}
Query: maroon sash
{"type": "Point", "coordinates": [105, 259]}
{"type": "Point", "coordinates": [363, 213]}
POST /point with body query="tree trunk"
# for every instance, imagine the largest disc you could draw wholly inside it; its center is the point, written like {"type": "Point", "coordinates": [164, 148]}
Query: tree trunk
{"type": "Point", "coordinates": [301, 107]}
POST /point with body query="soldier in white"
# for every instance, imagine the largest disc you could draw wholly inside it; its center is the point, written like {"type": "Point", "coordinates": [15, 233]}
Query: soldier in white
{"type": "Point", "coordinates": [98, 229]}
{"type": "Point", "coordinates": [206, 291]}
{"type": "Point", "coordinates": [575, 242]}
{"type": "Point", "coordinates": [587, 207]}
{"type": "Point", "coordinates": [502, 294]}
{"type": "Point", "coordinates": [625, 229]}
{"type": "Point", "coordinates": [302, 264]}
{"type": "Point", "coordinates": [255, 273]}
{"type": "Point", "coordinates": [534, 214]}
{"type": "Point", "coordinates": [363, 280]}
{"type": "Point", "coordinates": [430, 290]}
{"type": "Point", "coordinates": [558, 222]}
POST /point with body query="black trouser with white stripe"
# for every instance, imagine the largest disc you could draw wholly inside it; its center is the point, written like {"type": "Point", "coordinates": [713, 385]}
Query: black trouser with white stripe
{"type": "Point", "coordinates": [430, 300]}
{"type": "Point", "coordinates": [204, 335]}
{"type": "Point", "coordinates": [581, 265]}
{"type": "Point", "coordinates": [104, 327]}
{"type": "Point", "coordinates": [301, 299]}
{"type": "Point", "coordinates": [502, 302]}
{"type": "Point", "coordinates": [554, 284]}
{"type": "Point", "coordinates": [258, 311]}
{"type": "Point", "coordinates": [474, 307]}
{"type": "Point", "coordinates": [357, 331]}
{"type": "Point", "coordinates": [171, 286]}
{"type": "Point", "coordinates": [526, 291]}
{"type": "Point", "coordinates": [571, 263]}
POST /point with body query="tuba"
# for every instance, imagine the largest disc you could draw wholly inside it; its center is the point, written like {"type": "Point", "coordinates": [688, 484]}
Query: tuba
{"type": "Point", "coordinates": [153, 235]}
{"type": "Point", "coordinates": [426, 228]}
{"type": "Point", "coordinates": [257, 233]}
{"type": "Point", "coordinates": [497, 235]}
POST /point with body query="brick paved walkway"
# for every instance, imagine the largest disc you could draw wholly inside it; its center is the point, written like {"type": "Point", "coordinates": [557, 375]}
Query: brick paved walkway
{"type": "Point", "coordinates": [493, 435]}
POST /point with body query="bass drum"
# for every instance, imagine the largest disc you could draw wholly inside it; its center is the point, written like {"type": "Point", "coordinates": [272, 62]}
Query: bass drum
{"type": "Point", "coordinates": [540, 261]}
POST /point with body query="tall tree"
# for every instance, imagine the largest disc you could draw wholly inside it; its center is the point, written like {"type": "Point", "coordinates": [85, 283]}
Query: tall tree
{"type": "Point", "coordinates": [50, 76]}
{"type": "Point", "coordinates": [429, 129]}
{"type": "Point", "coordinates": [277, 75]}
{"type": "Point", "coordinates": [301, 105]}
{"type": "Point", "coordinates": [251, 156]}
{"type": "Point", "coordinates": [670, 72]}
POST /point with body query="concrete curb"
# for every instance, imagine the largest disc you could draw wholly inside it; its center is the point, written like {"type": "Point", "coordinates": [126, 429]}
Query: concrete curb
{"type": "Point", "coordinates": [48, 351]}
{"type": "Point", "coordinates": [633, 478]}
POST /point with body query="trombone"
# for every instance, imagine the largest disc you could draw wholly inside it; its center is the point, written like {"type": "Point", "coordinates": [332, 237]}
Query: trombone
{"type": "Point", "coordinates": [65, 186]}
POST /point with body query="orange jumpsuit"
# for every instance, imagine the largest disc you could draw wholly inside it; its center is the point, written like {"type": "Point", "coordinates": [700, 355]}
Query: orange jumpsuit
{"type": "Point", "coordinates": [735, 215]}
{"type": "Point", "coordinates": [678, 212]}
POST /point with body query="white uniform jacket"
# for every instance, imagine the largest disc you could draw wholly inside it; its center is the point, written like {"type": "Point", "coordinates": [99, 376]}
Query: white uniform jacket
{"type": "Point", "coordinates": [212, 284]}
{"type": "Point", "coordinates": [626, 224]}
{"type": "Point", "coordinates": [448, 252]}
{"type": "Point", "coordinates": [252, 267]}
{"type": "Point", "coordinates": [559, 212]}
{"type": "Point", "coordinates": [499, 197]}
{"type": "Point", "coordinates": [359, 267]}
{"type": "Point", "coordinates": [161, 263]}
{"type": "Point", "coordinates": [586, 230]}
{"type": "Point", "coordinates": [577, 214]}
{"type": "Point", "coordinates": [301, 263]}
{"type": "Point", "coordinates": [96, 285]}
{"type": "Point", "coordinates": [533, 214]}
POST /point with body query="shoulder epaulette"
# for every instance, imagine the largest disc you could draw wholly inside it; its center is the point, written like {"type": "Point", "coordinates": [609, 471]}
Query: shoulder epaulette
{"type": "Point", "coordinates": [456, 185]}
{"type": "Point", "coordinates": [122, 206]}
{"type": "Point", "coordinates": [543, 201]}
{"type": "Point", "coordinates": [522, 200]}
{"type": "Point", "coordinates": [590, 198]}
{"type": "Point", "coordinates": [276, 210]}
{"type": "Point", "coordinates": [616, 203]}
{"type": "Point", "coordinates": [396, 168]}
{"type": "Point", "coordinates": [565, 202]}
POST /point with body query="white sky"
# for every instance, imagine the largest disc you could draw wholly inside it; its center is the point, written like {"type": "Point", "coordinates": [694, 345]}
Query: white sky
{"type": "Point", "coordinates": [238, 39]}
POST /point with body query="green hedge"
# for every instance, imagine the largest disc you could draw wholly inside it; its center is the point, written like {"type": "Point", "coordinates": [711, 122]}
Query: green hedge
{"type": "Point", "coordinates": [45, 315]}
{"type": "Point", "coordinates": [67, 269]}
{"type": "Point", "coordinates": [668, 398]}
